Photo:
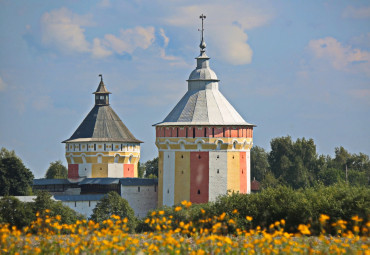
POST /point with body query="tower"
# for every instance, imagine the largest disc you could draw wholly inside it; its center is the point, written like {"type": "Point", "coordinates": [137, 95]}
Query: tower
{"type": "Point", "coordinates": [204, 144]}
{"type": "Point", "coordinates": [102, 146]}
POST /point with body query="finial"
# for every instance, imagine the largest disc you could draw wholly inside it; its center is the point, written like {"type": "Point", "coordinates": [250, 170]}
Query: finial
{"type": "Point", "coordinates": [202, 43]}
{"type": "Point", "coordinates": [101, 77]}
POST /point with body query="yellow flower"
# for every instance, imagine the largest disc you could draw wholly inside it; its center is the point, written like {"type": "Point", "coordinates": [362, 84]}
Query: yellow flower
{"type": "Point", "coordinates": [178, 208]}
{"type": "Point", "coordinates": [161, 212]}
{"type": "Point", "coordinates": [235, 211]}
{"type": "Point", "coordinates": [304, 229]}
{"type": "Point", "coordinates": [324, 218]}
{"type": "Point", "coordinates": [203, 211]}
{"type": "Point", "coordinates": [249, 218]}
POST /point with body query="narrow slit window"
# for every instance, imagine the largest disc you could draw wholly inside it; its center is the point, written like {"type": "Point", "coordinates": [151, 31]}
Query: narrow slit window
{"type": "Point", "coordinates": [213, 132]}
{"type": "Point", "coordinates": [94, 146]}
{"type": "Point", "coordinates": [79, 147]}
{"type": "Point", "coordinates": [171, 132]}
{"type": "Point", "coordinates": [193, 132]}
{"type": "Point", "coordinates": [177, 132]}
{"type": "Point", "coordinates": [199, 156]}
{"type": "Point", "coordinates": [205, 132]}
{"type": "Point", "coordinates": [218, 171]}
{"type": "Point", "coordinates": [138, 189]}
{"type": "Point", "coordinates": [105, 146]}
{"type": "Point", "coordinates": [186, 133]}
{"type": "Point", "coordinates": [223, 131]}
{"type": "Point", "coordinates": [198, 191]}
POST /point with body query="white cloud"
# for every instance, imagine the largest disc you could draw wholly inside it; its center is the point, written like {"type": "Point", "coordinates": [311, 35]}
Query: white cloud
{"type": "Point", "coordinates": [130, 39]}
{"type": "Point", "coordinates": [356, 13]}
{"type": "Point", "coordinates": [174, 60]}
{"type": "Point", "coordinates": [3, 85]}
{"type": "Point", "coordinates": [63, 28]}
{"type": "Point", "coordinates": [225, 27]}
{"type": "Point", "coordinates": [344, 58]}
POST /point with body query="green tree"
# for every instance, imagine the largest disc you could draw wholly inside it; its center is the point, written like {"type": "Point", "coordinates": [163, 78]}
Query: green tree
{"type": "Point", "coordinates": [151, 168]}
{"type": "Point", "coordinates": [15, 178]}
{"type": "Point", "coordinates": [43, 201]}
{"type": "Point", "coordinates": [114, 204]}
{"type": "Point", "coordinates": [15, 212]}
{"type": "Point", "coordinates": [259, 163]}
{"type": "Point", "coordinates": [141, 170]}
{"type": "Point", "coordinates": [56, 170]}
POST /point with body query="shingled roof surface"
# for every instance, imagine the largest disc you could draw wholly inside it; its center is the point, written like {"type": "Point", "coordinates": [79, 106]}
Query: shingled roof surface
{"type": "Point", "coordinates": [102, 124]}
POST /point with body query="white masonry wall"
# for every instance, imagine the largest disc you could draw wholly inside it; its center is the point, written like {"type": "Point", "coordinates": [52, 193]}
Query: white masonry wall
{"type": "Point", "coordinates": [217, 181]}
{"type": "Point", "coordinates": [140, 201]}
{"type": "Point", "coordinates": [84, 207]}
{"type": "Point", "coordinates": [84, 170]}
{"type": "Point", "coordinates": [168, 178]}
{"type": "Point", "coordinates": [115, 170]}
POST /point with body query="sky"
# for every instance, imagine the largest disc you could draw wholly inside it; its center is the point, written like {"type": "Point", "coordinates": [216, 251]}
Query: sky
{"type": "Point", "coordinates": [298, 68]}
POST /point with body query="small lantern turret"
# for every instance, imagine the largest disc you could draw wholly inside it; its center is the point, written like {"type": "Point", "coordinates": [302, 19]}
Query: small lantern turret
{"type": "Point", "coordinates": [101, 94]}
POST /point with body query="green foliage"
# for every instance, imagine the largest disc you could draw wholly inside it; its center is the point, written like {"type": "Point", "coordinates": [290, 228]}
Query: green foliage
{"type": "Point", "coordinates": [114, 204]}
{"type": "Point", "coordinates": [21, 214]}
{"type": "Point", "coordinates": [15, 178]}
{"type": "Point", "coordinates": [302, 206]}
{"type": "Point", "coordinates": [56, 170]}
{"type": "Point", "coordinates": [259, 163]}
{"type": "Point", "coordinates": [15, 212]}
{"type": "Point", "coordinates": [151, 168]}
{"type": "Point", "coordinates": [141, 170]}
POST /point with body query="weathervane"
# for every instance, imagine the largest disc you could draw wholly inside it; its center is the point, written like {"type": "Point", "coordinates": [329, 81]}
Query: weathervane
{"type": "Point", "coordinates": [202, 43]}
{"type": "Point", "coordinates": [101, 77]}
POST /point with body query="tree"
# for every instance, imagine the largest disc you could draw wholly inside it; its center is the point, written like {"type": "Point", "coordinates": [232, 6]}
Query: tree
{"type": "Point", "coordinates": [15, 178]}
{"type": "Point", "coordinates": [259, 163]}
{"type": "Point", "coordinates": [141, 170]}
{"type": "Point", "coordinates": [151, 168]}
{"type": "Point", "coordinates": [56, 170]}
{"type": "Point", "coordinates": [15, 212]}
{"type": "Point", "coordinates": [114, 204]}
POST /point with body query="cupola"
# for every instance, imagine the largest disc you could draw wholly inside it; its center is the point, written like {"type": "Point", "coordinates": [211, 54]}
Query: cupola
{"type": "Point", "coordinates": [101, 94]}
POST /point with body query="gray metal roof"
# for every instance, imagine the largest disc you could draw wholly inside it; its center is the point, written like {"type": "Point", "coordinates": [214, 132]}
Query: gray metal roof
{"type": "Point", "coordinates": [102, 124]}
{"type": "Point", "coordinates": [203, 103]}
{"type": "Point", "coordinates": [92, 197]}
{"type": "Point", "coordinates": [102, 89]}
{"type": "Point", "coordinates": [138, 182]}
{"type": "Point", "coordinates": [50, 181]}
{"type": "Point", "coordinates": [101, 181]}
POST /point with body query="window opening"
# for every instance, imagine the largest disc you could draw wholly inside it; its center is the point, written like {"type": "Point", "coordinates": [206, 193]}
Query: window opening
{"type": "Point", "coordinates": [89, 203]}
{"type": "Point", "coordinates": [138, 189]}
{"type": "Point", "coordinates": [168, 191]}
{"type": "Point", "coordinates": [105, 146]}
{"type": "Point", "coordinates": [94, 146]}
{"type": "Point", "coordinates": [198, 191]}
{"type": "Point", "coordinates": [213, 132]}
{"type": "Point", "coordinates": [75, 203]}
{"type": "Point", "coordinates": [205, 132]}
{"type": "Point", "coordinates": [218, 156]}
{"type": "Point", "coordinates": [223, 131]}
{"type": "Point", "coordinates": [199, 156]}
{"type": "Point", "coordinates": [218, 171]}
{"type": "Point", "coordinates": [186, 133]}
{"type": "Point", "coordinates": [193, 132]}
{"type": "Point", "coordinates": [112, 147]}
{"type": "Point", "coordinates": [121, 146]}
{"type": "Point", "coordinates": [79, 146]}
{"type": "Point", "coordinates": [182, 156]}
{"type": "Point", "coordinates": [177, 132]}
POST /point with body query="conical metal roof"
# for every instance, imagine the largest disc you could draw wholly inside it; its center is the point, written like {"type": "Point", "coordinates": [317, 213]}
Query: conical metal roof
{"type": "Point", "coordinates": [102, 124]}
{"type": "Point", "coordinates": [203, 103]}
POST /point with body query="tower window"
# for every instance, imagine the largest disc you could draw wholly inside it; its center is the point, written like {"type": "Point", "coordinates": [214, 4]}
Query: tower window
{"type": "Point", "coordinates": [205, 132]}
{"type": "Point", "coordinates": [223, 131]}
{"type": "Point", "coordinates": [79, 147]}
{"type": "Point", "coordinates": [218, 171]}
{"type": "Point", "coordinates": [177, 132]}
{"type": "Point", "coordinates": [182, 156]}
{"type": "Point", "coordinates": [94, 146]}
{"type": "Point", "coordinates": [112, 146]}
{"type": "Point", "coordinates": [171, 132]}
{"type": "Point", "coordinates": [89, 203]}
{"type": "Point", "coordinates": [218, 156]}
{"type": "Point", "coordinates": [182, 171]}
{"type": "Point", "coordinates": [105, 146]}
{"type": "Point", "coordinates": [138, 189]}
{"type": "Point", "coordinates": [121, 146]}
{"type": "Point", "coordinates": [193, 132]}
{"type": "Point", "coordinates": [168, 191]}
{"type": "Point", "coordinates": [198, 191]}
{"type": "Point", "coordinates": [213, 132]}
{"type": "Point", "coordinates": [199, 156]}
{"type": "Point", "coordinates": [186, 133]}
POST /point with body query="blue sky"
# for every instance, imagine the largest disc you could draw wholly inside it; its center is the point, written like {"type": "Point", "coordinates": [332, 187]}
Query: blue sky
{"type": "Point", "coordinates": [299, 68]}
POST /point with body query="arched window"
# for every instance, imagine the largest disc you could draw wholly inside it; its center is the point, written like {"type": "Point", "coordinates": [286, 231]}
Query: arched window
{"type": "Point", "coordinates": [130, 159]}
{"type": "Point", "coordinates": [234, 145]}
{"type": "Point", "coordinates": [116, 159]}
{"type": "Point", "coordinates": [99, 159]}
{"type": "Point", "coordinates": [219, 143]}
{"type": "Point", "coordinates": [83, 159]}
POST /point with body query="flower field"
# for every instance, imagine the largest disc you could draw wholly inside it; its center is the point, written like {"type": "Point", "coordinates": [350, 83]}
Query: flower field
{"type": "Point", "coordinates": [209, 235]}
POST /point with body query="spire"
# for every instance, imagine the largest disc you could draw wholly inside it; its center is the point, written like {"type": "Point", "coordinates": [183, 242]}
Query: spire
{"type": "Point", "coordinates": [202, 44]}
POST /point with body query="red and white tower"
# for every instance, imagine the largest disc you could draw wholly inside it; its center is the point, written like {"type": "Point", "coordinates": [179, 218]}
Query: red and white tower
{"type": "Point", "coordinates": [204, 144]}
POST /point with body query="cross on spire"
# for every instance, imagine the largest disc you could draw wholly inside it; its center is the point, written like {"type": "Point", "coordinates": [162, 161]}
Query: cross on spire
{"type": "Point", "coordinates": [202, 43]}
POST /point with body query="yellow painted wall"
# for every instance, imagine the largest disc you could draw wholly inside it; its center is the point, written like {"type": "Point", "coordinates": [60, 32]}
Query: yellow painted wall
{"type": "Point", "coordinates": [233, 174]}
{"type": "Point", "coordinates": [160, 179]}
{"type": "Point", "coordinates": [99, 170]}
{"type": "Point", "coordinates": [182, 176]}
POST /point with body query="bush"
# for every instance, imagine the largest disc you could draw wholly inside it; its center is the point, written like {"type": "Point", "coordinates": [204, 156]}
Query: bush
{"type": "Point", "coordinates": [114, 204]}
